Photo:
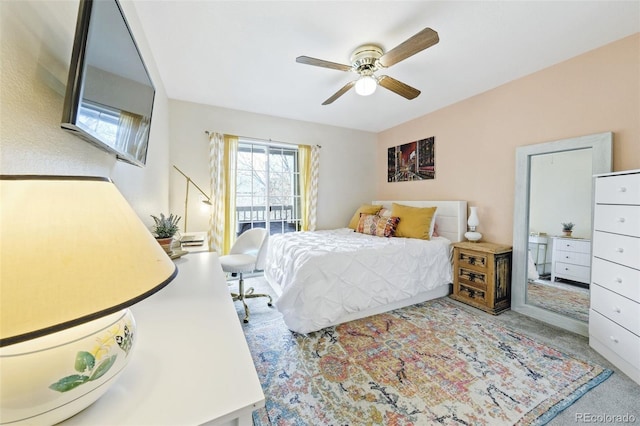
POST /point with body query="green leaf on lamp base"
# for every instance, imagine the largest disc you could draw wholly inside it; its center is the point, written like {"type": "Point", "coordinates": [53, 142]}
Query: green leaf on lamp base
{"type": "Point", "coordinates": [103, 367]}
{"type": "Point", "coordinates": [69, 382]}
{"type": "Point", "coordinates": [84, 361]}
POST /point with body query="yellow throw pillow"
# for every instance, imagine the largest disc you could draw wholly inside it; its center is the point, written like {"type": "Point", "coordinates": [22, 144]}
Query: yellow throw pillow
{"type": "Point", "coordinates": [415, 222]}
{"type": "Point", "coordinates": [365, 208]}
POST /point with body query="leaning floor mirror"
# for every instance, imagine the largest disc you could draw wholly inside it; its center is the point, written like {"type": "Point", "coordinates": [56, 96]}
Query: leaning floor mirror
{"type": "Point", "coordinates": [552, 224]}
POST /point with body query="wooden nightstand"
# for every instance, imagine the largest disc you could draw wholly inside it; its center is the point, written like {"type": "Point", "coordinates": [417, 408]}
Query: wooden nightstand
{"type": "Point", "coordinates": [482, 275]}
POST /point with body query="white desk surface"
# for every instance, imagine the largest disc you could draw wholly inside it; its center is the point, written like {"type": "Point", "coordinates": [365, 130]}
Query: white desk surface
{"type": "Point", "coordinates": [191, 364]}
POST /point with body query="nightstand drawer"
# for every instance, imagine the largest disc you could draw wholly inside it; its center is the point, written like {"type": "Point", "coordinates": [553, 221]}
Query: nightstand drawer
{"type": "Point", "coordinates": [617, 339]}
{"type": "Point", "coordinates": [616, 248]}
{"type": "Point", "coordinates": [479, 260]}
{"type": "Point", "coordinates": [620, 189]}
{"type": "Point", "coordinates": [617, 308]}
{"type": "Point", "coordinates": [623, 220]}
{"type": "Point", "coordinates": [468, 293]}
{"type": "Point", "coordinates": [617, 278]}
{"type": "Point", "coordinates": [572, 272]}
{"type": "Point", "coordinates": [473, 278]}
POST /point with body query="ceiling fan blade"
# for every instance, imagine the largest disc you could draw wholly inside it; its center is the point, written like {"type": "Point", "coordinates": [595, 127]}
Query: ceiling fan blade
{"type": "Point", "coordinates": [340, 92]}
{"type": "Point", "coordinates": [398, 87]}
{"type": "Point", "coordinates": [322, 63]}
{"type": "Point", "coordinates": [417, 43]}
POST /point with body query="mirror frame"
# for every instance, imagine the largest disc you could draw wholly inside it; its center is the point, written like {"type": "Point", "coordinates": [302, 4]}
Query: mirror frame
{"type": "Point", "coordinates": [601, 144]}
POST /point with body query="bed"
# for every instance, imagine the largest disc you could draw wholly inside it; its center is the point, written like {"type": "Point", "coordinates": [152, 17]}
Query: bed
{"type": "Point", "coordinates": [328, 277]}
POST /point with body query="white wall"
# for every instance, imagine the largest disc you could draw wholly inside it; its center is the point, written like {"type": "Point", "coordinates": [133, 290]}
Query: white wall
{"type": "Point", "coordinates": [561, 192]}
{"type": "Point", "coordinates": [347, 158]}
{"type": "Point", "coordinates": [36, 41]}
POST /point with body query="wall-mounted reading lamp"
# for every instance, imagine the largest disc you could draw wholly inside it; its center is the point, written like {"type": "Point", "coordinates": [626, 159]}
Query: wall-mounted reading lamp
{"type": "Point", "coordinates": [207, 199]}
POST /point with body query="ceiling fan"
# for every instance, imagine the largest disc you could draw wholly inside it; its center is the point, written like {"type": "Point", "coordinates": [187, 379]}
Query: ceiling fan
{"type": "Point", "coordinates": [369, 58]}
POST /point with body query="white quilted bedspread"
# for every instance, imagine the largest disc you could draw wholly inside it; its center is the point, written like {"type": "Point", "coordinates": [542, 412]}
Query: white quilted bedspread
{"type": "Point", "coordinates": [324, 275]}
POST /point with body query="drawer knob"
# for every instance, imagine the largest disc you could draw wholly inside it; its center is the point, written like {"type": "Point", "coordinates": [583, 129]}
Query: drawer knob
{"type": "Point", "coordinates": [619, 280]}
{"type": "Point", "coordinates": [616, 310]}
{"type": "Point", "coordinates": [620, 250]}
{"type": "Point", "coordinates": [622, 189]}
{"type": "Point", "coordinates": [620, 220]}
{"type": "Point", "coordinates": [613, 339]}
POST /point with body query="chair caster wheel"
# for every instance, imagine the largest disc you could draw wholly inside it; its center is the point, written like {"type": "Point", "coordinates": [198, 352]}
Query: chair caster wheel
{"type": "Point", "coordinates": [269, 304]}
{"type": "Point", "coordinates": [246, 321]}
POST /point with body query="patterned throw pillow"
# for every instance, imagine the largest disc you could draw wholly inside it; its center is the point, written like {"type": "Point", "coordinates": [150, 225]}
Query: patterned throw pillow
{"type": "Point", "coordinates": [365, 208]}
{"type": "Point", "coordinates": [372, 224]}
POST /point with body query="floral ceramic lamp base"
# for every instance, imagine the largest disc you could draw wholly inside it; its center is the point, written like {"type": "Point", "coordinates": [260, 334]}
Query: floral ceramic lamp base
{"type": "Point", "coordinates": [51, 378]}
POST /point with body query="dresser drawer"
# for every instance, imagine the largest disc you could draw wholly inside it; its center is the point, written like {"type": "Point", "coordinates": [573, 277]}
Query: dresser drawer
{"type": "Point", "coordinates": [617, 308]}
{"type": "Point", "coordinates": [572, 272]}
{"type": "Point", "coordinates": [572, 257]}
{"type": "Point", "coordinates": [615, 338]}
{"type": "Point", "coordinates": [574, 245]}
{"type": "Point", "coordinates": [617, 278]}
{"type": "Point", "coordinates": [617, 219]}
{"type": "Point", "coordinates": [619, 189]}
{"type": "Point", "coordinates": [616, 248]}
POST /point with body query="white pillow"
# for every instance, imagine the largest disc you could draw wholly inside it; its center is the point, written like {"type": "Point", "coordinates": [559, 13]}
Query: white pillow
{"type": "Point", "coordinates": [384, 212]}
{"type": "Point", "coordinates": [433, 223]}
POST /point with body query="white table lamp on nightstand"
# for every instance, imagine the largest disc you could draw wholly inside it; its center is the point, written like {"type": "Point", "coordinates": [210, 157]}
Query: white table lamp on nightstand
{"type": "Point", "coordinates": [473, 222]}
{"type": "Point", "coordinates": [74, 256]}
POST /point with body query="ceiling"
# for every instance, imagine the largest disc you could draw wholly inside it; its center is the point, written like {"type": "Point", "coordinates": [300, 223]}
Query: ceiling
{"type": "Point", "coordinates": [241, 54]}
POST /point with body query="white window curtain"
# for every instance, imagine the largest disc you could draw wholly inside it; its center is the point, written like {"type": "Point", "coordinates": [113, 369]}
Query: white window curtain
{"type": "Point", "coordinates": [128, 125]}
{"type": "Point", "coordinates": [309, 157]}
{"type": "Point", "coordinates": [222, 164]}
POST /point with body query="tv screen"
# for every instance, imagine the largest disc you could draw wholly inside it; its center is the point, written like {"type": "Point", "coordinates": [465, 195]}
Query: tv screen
{"type": "Point", "coordinates": [109, 97]}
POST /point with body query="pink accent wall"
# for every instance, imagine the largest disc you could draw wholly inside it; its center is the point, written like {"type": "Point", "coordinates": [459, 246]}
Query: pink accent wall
{"type": "Point", "coordinates": [476, 139]}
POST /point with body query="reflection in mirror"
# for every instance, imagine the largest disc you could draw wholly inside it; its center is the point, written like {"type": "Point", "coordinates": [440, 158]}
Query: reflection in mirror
{"type": "Point", "coordinates": [558, 270]}
{"type": "Point", "coordinates": [551, 268]}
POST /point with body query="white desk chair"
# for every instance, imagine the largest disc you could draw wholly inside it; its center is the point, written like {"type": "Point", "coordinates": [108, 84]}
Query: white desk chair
{"type": "Point", "coordinates": [247, 254]}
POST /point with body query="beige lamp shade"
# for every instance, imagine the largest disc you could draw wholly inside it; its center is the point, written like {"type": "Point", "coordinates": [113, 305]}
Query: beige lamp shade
{"type": "Point", "coordinates": [71, 250]}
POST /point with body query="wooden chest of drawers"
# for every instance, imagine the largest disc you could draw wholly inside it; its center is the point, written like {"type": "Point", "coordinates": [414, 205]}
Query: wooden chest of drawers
{"type": "Point", "coordinates": [614, 318]}
{"type": "Point", "coordinates": [571, 259]}
{"type": "Point", "coordinates": [482, 275]}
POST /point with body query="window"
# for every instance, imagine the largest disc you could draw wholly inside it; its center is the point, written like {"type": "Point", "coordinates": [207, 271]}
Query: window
{"type": "Point", "coordinates": [99, 120]}
{"type": "Point", "coordinates": [267, 187]}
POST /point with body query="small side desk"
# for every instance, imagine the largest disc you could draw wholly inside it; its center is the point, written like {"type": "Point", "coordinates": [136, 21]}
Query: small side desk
{"type": "Point", "coordinates": [191, 364]}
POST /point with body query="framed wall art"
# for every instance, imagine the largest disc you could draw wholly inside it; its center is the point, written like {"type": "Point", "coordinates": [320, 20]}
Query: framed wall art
{"type": "Point", "coordinates": [412, 161]}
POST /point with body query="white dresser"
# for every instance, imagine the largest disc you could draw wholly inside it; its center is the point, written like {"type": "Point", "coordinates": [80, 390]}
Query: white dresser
{"type": "Point", "coordinates": [614, 318]}
{"type": "Point", "coordinates": [571, 259]}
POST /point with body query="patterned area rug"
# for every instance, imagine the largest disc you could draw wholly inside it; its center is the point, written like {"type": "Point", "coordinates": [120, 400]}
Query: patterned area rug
{"type": "Point", "coordinates": [432, 363]}
{"type": "Point", "coordinates": [570, 302]}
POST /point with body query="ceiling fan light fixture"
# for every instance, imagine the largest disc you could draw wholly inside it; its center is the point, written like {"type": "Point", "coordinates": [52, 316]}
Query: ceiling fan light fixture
{"type": "Point", "coordinates": [366, 85]}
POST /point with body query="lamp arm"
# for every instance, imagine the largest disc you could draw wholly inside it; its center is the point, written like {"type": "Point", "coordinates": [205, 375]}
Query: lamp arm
{"type": "Point", "coordinates": [194, 184]}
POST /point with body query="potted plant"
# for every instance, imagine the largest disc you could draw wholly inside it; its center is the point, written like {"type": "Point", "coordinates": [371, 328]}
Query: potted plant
{"type": "Point", "coordinates": [164, 229]}
{"type": "Point", "coordinates": [567, 228]}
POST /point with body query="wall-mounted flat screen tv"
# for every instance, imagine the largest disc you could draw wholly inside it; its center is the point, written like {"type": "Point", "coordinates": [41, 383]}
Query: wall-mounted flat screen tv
{"type": "Point", "coordinates": [109, 97]}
